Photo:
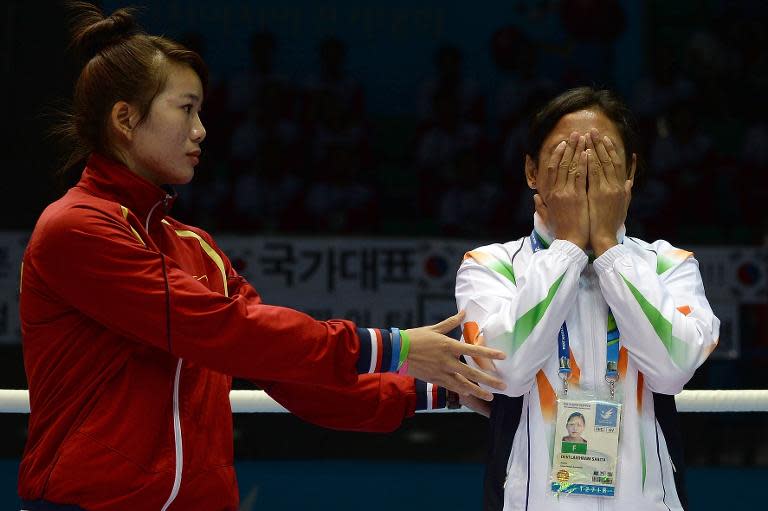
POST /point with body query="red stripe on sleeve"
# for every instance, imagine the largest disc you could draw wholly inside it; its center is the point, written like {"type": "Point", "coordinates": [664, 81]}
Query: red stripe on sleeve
{"type": "Point", "coordinates": [379, 350]}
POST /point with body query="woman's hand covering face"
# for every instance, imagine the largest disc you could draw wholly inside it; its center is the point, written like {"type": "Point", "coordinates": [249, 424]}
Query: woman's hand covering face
{"type": "Point", "coordinates": [609, 191]}
{"type": "Point", "coordinates": [562, 202]}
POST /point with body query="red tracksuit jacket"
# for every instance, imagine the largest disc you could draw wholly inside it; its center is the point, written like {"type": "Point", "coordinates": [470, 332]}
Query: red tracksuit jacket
{"type": "Point", "coordinates": [133, 326]}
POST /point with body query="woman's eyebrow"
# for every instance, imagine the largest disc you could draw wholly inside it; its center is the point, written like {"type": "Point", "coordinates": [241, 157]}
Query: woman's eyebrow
{"type": "Point", "coordinates": [191, 95]}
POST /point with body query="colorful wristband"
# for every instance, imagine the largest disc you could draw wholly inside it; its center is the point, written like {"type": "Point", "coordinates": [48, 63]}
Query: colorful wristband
{"type": "Point", "coordinates": [405, 347]}
{"type": "Point", "coordinates": [428, 396]}
{"type": "Point", "coordinates": [394, 363]}
{"type": "Point", "coordinates": [382, 350]}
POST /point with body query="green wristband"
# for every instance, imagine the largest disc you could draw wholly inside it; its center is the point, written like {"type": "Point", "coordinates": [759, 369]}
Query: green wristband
{"type": "Point", "coordinates": [405, 346]}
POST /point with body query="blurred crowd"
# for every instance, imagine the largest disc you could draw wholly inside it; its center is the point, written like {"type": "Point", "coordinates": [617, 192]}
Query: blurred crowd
{"type": "Point", "coordinates": [288, 157]}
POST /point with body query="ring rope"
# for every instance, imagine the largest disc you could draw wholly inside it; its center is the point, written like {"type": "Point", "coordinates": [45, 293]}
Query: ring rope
{"type": "Point", "coordinates": [257, 401]}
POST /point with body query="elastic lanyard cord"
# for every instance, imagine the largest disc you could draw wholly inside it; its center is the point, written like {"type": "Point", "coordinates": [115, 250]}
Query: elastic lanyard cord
{"type": "Point", "coordinates": [613, 339]}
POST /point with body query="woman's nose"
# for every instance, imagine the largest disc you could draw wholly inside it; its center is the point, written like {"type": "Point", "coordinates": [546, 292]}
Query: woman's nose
{"type": "Point", "coordinates": [198, 131]}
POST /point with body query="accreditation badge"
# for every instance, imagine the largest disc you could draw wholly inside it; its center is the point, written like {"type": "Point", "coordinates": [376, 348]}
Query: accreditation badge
{"type": "Point", "coordinates": [586, 447]}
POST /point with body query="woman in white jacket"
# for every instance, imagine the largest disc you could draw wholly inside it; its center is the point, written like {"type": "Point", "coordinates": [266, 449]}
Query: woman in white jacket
{"type": "Point", "coordinates": [578, 268]}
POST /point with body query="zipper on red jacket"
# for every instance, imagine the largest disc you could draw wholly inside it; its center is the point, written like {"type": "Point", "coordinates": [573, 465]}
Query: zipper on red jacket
{"type": "Point", "coordinates": [164, 202]}
{"type": "Point", "coordinates": [177, 439]}
{"type": "Point", "coordinates": [177, 436]}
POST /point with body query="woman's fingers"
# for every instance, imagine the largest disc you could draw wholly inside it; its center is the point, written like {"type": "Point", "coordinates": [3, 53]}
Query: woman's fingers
{"type": "Point", "coordinates": [593, 163]}
{"type": "Point", "coordinates": [595, 171]}
{"type": "Point", "coordinates": [470, 350]}
{"type": "Point", "coordinates": [472, 391]}
{"type": "Point", "coordinates": [617, 162]}
{"type": "Point", "coordinates": [473, 336]}
{"type": "Point", "coordinates": [567, 161]}
{"type": "Point", "coordinates": [483, 357]}
{"type": "Point", "coordinates": [580, 181]}
{"type": "Point", "coordinates": [554, 164]}
{"type": "Point", "coordinates": [575, 169]}
{"type": "Point", "coordinates": [581, 167]}
{"type": "Point", "coordinates": [594, 136]}
{"type": "Point", "coordinates": [451, 379]}
{"type": "Point", "coordinates": [479, 376]}
{"type": "Point", "coordinates": [476, 405]}
{"type": "Point", "coordinates": [449, 324]}
{"type": "Point", "coordinates": [608, 172]}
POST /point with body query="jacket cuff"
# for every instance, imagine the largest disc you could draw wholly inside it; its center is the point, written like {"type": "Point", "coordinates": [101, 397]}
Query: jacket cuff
{"type": "Point", "coordinates": [379, 352]}
{"type": "Point", "coordinates": [428, 396]}
{"type": "Point", "coordinates": [606, 262]}
{"type": "Point", "coordinates": [576, 254]}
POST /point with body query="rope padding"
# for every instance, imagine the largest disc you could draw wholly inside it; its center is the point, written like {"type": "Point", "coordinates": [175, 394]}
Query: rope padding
{"type": "Point", "coordinates": [257, 401]}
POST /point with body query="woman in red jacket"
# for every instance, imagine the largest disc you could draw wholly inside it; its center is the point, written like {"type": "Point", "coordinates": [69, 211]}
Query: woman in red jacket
{"type": "Point", "coordinates": [134, 324]}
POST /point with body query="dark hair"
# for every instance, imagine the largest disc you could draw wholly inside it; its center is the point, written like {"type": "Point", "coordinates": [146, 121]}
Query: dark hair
{"type": "Point", "coordinates": [577, 99]}
{"type": "Point", "coordinates": [120, 62]}
{"type": "Point", "coordinates": [577, 414]}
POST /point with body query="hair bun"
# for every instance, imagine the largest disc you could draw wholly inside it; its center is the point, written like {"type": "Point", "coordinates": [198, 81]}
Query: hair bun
{"type": "Point", "coordinates": [93, 32]}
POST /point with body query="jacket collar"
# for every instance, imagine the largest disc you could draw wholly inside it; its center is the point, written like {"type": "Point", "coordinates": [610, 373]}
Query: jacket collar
{"type": "Point", "coordinates": [111, 180]}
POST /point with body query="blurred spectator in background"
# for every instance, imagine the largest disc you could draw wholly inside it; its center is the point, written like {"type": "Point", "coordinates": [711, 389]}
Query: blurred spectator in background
{"type": "Point", "coordinates": [593, 26]}
{"type": "Point", "coordinates": [452, 117]}
{"type": "Point", "coordinates": [261, 105]}
{"type": "Point", "coordinates": [337, 126]}
{"type": "Point", "coordinates": [438, 147]}
{"type": "Point", "coordinates": [450, 81]}
{"type": "Point", "coordinates": [470, 198]}
{"type": "Point", "coordinates": [264, 150]}
{"type": "Point", "coordinates": [265, 118]}
{"type": "Point", "coordinates": [339, 199]}
{"type": "Point", "coordinates": [246, 88]}
{"type": "Point", "coordinates": [268, 194]}
{"type": "Point", "coordinates": [681, 164]}
{"type": "Point", "coordinates": [751, 176]}
{"type": "Point", "coordinates": [655, 94]}
{"type": "Point", "coordinates": [516, 57]}
{"type": "Point", "coordinates": [333, 80]}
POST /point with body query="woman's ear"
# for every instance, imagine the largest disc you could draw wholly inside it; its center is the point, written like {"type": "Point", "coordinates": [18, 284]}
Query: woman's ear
{"type": "Point", "coordinates": [530, 172]}
{"type": "Point", "coordinates": [632, 168]}
{"type": "Point", "coordinates": [123, 119]}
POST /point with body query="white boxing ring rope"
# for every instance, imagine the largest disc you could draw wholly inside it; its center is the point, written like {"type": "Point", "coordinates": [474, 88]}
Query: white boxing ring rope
{"type": "Point", "coordinates": [257, 401]}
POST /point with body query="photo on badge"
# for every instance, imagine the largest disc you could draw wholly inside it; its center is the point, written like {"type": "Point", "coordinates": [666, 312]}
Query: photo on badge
{"type": "Point", "coordinates": [586, 447]}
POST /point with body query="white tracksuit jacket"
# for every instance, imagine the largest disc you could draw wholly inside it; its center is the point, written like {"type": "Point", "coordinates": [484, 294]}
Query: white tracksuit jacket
{"type": "Point", "coordinates": [517, 300]}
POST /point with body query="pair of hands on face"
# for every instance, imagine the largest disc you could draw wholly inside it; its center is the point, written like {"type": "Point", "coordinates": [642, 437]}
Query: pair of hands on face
{"type": "Point", "coordinates": [581, 215]}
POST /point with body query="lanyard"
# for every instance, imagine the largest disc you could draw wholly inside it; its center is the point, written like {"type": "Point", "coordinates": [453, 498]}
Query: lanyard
{"type": "Point", "coordinates": [564, 348]}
